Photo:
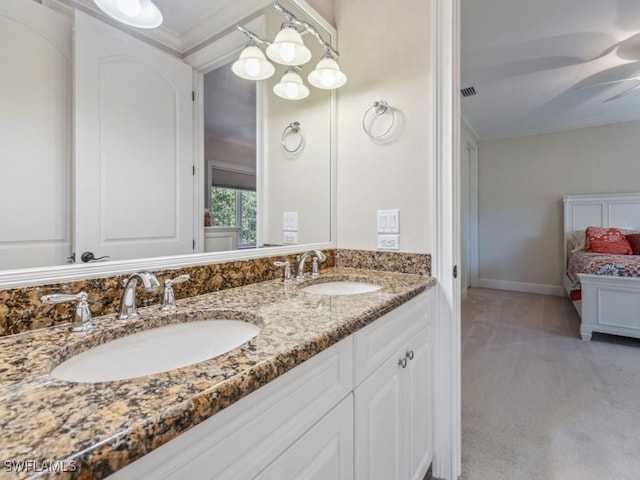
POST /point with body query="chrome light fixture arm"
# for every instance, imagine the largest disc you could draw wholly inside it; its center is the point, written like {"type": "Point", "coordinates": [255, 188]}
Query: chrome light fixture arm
{"type": "Point", "coordinates": [252, 36]}
{"type": "Point", "coordinates": [306, 28]}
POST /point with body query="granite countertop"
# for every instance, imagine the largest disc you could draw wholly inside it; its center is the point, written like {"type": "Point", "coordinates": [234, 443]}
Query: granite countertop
{"type": "Point", "coordinates": [98, 428]}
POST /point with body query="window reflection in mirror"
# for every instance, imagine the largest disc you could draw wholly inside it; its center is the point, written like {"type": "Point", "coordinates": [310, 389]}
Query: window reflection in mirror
{"type": "Point", "coordinates": [230, 157]}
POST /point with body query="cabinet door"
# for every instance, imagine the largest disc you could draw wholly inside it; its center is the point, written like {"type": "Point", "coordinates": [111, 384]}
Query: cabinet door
{"type": "Point", "coordinates": [378, 423]}
{"type": "Point", "coordinates": [324, 452]}
{"type": "Point", "coordinates": [417, 394]}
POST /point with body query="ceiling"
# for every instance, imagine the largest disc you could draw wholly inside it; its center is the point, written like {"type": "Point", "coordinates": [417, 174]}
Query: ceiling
{"type": "Point", "coordinates": [532, 64]}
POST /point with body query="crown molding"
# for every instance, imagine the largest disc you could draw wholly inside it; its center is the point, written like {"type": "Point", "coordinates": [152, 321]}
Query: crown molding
{"type": "Point", "coordinates": [178, 44]}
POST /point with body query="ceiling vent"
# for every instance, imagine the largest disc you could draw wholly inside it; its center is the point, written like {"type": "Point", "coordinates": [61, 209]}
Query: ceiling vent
{"type": "Point", "coordinates": [468, 92]}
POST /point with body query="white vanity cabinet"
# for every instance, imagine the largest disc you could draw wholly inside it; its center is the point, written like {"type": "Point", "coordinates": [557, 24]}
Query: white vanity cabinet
{"type": "Point", "coordinates": [360, 409]}
{"type": "Point", "coordinates": [393, 395]}
{"type": "Point", "coordinates": [324, 452]}
{"type": "Point", "coordinates": [242, 440]}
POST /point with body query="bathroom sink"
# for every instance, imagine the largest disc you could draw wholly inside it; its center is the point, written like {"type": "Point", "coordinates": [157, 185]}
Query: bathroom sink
{"type": "Point", "coordinates": [341, 288]}
{"type": "Point", "coordinates": [156, 350]}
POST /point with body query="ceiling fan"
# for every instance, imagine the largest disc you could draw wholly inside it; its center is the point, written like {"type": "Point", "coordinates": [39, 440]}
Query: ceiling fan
{"type": "Point", "coordinates": [635, 78]}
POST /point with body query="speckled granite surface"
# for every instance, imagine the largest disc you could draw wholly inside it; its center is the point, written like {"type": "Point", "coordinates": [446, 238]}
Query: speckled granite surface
{"type": "Point", "coordinates": [414, 263]}
{"type": "Point", "coordinates": [21, 310]}
{"type": "Point", "coordinates": [104, 426]}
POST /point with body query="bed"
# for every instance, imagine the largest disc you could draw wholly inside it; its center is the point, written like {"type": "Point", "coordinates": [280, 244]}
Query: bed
{"type": "Point", "coordinates": [604, 288]}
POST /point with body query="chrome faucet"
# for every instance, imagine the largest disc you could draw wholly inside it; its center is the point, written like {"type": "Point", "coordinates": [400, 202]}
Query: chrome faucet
{"type": "Point", "coordinates": [128, 301]}
{"type": "Point", "coordinates": [82, 319]}
{"type": "Point", "coordinates": [317, 255]}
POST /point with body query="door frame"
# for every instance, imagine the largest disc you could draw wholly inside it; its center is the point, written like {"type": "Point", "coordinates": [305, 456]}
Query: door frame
{"type": "Point", "coordinates": [215, 55]}
{"type": "Point", "coordinates": [445, 54]}
{"type": "Point", "coordinates": [470, 142]}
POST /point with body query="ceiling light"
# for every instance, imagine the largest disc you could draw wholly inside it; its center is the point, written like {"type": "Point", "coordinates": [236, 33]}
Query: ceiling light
{"type": "Point", "coordinates": [252, 64]}
{"type": "Point", "coordinates": [327, 74]}
{"type": "Point", "coordinates": [290, 86]}
{"type": "Point", "coordinates": [288, 48]}
{"type": "Point", "coordinates": [135, 13]}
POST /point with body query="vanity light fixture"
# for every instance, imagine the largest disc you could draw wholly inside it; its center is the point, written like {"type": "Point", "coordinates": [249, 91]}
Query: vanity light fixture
{"type": "Point", "coordinates": [290, 86]}
{"type": "Point", "coordinates": [327, 74]}
{"type": "Point", "coordinates": [252, 64]}
{"type": "Point", "coordinates": [135, 13]}
{"type": "Point", "coordinates": [289, 49]}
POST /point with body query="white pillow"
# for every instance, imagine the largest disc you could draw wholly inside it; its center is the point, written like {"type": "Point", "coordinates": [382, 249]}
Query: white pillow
{"type": "Point", "coordinates": [576, 241]}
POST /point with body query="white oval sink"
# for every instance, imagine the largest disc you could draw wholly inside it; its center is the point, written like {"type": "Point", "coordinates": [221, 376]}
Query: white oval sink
{"type": "Point", "coordinates": [156, 350]}
{"type": "Point", "coordinates": [341, 288]}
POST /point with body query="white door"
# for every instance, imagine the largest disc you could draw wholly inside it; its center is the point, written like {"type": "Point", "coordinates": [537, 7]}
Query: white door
{"type": "Point", "coordinates": [134, 146]}
{"type": "Point", "coordinates": [35, 113]}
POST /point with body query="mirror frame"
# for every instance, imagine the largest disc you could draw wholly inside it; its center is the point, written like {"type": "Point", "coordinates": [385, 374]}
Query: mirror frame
{"type": "Point", "coordinates": [67, 273]}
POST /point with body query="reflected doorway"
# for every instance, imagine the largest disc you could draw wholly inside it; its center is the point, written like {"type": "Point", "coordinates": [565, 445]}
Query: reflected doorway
{"type": "Point", "coordinates": [230, 161]}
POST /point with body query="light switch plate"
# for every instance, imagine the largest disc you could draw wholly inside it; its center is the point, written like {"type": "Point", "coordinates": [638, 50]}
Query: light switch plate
{"type": "Point", "coordinates": [388, 221]}
{"type": "Point", "coordinates": [290, 221]}
{"type": "Point", "coordinates": [389, 242]}
{"type": "Point", "coordinates": [290, 237]}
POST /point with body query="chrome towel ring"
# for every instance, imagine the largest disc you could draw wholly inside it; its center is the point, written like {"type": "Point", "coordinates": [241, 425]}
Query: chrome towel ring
{"type": "Point", "coordinates": [379, 108]}
{"type": "Point", "coordinates": [293, 128]}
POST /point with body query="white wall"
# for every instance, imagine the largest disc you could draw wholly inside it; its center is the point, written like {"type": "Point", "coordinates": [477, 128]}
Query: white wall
{"type": "Point", "coordinates": [384, 50]}
{"type": "Point", "coordinates": [521, 183]}
{"type": "Point", "coordinates": [299, 182]}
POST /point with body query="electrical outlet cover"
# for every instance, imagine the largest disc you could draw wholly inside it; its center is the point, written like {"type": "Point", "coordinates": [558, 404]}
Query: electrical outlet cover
{"type": "Point", "coordinates": [389, 242]}
{"type": "Point", "coordinates": [290, 238]}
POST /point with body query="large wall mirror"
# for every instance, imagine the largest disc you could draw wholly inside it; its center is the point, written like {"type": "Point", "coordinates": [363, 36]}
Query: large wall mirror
{"type": "Point", "coordinates": [128, 150]}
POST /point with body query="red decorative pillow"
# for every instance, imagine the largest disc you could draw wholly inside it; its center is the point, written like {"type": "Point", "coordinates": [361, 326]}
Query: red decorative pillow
{"type": "Point", "coordinates": [621, 247]}
{"type": "Point", "coordinates": [607, 240]}
{"type": "Point", "coordinates": [634, 241]}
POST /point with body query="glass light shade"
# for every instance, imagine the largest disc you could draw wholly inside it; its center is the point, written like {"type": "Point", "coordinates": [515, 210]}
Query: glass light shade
{"type": "Point", "coordinates": [135, 13]}
{"type": "Point", "coordinates": [291, 87]}
{"type": "Point", "coordinates": [288, 48]}
{"type": "Point", "coordinates": [327, 75]}
{"type": "Point", "coordinates": [252, 64]}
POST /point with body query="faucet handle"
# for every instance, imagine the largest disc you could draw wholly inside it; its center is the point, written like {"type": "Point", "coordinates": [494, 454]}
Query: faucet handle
{"type": "Point", "coordinates": [168, 298]}
{"type": "Point", "coordinates": [286, 276]}
{"type": "Point", "coordinates": [180, 279]}
{"type": "Point", "coordinates": [82, 320]}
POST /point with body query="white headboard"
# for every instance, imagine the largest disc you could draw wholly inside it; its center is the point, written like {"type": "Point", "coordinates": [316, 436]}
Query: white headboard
{"type": "Point", "coordinates": [620, 210]}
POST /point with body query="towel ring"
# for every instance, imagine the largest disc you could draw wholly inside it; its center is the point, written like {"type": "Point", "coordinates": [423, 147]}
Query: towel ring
{"type": "Point", "coordinates": [292, 129]}
{"type": "Point", "coordinates": [379, 108]}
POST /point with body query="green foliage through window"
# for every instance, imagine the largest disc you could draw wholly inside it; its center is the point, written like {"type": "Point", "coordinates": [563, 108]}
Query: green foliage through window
{"type": "Point", "coordinates": [235, 208]}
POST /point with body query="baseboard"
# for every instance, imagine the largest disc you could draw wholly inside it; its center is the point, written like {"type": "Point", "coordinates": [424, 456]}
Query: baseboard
{"type": "Point", "coordinates": [539, 288]}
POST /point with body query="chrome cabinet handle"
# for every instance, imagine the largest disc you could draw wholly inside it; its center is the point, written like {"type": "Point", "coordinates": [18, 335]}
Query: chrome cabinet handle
{"type": "Point", "coordinates": [409, 355]}
{"type": "Point", "coordinates": [403, 362]}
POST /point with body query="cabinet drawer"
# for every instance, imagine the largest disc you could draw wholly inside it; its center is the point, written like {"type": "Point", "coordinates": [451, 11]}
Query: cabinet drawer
{"type": "Point", "coordinates": [378, 341]}
{"type": "Point", "coordinates": [244, 438]}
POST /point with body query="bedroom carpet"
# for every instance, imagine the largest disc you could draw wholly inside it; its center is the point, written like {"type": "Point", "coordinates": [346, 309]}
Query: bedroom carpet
{"type": "Point", "coordinates": [538, 402]}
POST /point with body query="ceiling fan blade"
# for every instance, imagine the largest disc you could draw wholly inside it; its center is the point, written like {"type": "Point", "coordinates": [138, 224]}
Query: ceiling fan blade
{"type": "Point", "coordinates": [626, 92]}
{"type": "Point", "coordinates": [611, 82]}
